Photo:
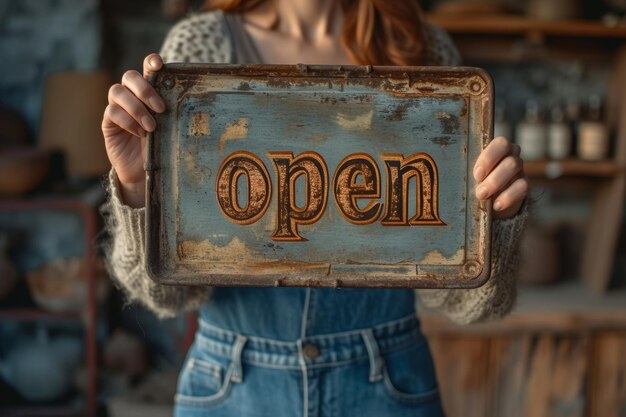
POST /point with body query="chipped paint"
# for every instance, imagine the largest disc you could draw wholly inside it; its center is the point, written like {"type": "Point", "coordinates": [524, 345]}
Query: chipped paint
{"type": "Point", "coordinates": [449, 122]}
{"type": "Point", "coordinates": [195, 174]}
{"type": "Point", "coordinates": [355, 122]}
{"type": "Point", "coordinates": [443, 140]}
{"type": "Point", "coordinates": [437, 258]}
{"type": "Point", "coordinates": [318, 138]}
{"type": "Point", "coordinates": [236, 130]}
{"type": "Point", "coordinates": [199, 124]}
{"type": "Point", "coordinates": [234, 251]}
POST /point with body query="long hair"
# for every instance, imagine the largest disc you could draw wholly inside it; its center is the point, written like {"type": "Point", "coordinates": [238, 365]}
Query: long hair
{"type": "Point", "coordinates": [375, 32]}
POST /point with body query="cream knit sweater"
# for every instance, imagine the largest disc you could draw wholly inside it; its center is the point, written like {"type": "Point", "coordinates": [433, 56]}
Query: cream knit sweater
{"type": "Point", "coordinates": [205, 38]}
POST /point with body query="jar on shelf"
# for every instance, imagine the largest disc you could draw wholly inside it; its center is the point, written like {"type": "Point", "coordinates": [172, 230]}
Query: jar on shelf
{"type": "Point", "coordinates": [559, 135]}
{"type": "Point", "coordinates": [531, 133]}
{"type": "Point", "coordinates": [593, 133]}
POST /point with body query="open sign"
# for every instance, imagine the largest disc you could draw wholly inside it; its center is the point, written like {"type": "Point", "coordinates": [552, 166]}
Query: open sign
{"type": "Point", "coordinates": [318, 176]}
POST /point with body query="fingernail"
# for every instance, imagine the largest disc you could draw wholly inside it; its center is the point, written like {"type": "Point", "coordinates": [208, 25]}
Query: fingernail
{"type": "Point", "coordinates": [154, 62]}
{"type": "Point", "coordinates": [482, 192]}
{"type": "Point", "coordinates": [156, 104]}
{"type": "Point", "coordinates": [479, 173]}
{"type": "Point", "coordinates": [497, 206]}
{"type": "Point", "coordinates": [148, 123]}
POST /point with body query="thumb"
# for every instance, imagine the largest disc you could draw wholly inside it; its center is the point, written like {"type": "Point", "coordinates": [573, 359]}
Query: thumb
{"type": "Point", "coordinates": [152, 63]}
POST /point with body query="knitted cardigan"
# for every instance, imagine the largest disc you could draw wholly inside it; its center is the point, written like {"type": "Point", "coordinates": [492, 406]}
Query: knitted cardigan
{"type": "Point", "coordinates": [205, 38]}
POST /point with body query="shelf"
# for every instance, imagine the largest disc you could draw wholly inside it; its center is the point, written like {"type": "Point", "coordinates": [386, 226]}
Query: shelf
{"type": "Point", "coordinates": [571, 168]}
{"type": "Point", "coordinates": [34, 314]}
{"type": "Point", "coordinates": [85, 204]}
{"type": "Point", "coordinates": [519, 25]}
{"type": "Point", "coordinates": [40, 411]}
{"type": "Point", "coordinates": [560, 308]}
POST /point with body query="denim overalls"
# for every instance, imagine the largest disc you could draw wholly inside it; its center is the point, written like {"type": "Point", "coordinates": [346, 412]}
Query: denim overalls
{"type": "Point", "coordinates": [268, 352]}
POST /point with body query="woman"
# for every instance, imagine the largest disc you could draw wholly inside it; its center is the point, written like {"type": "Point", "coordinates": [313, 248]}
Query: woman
{"type": "Point", "coordinates": [302, 351]}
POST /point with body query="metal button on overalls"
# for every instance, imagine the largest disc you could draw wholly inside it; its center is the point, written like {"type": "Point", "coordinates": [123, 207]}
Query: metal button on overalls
{"type": "Point", "coordinates": [310, 351]}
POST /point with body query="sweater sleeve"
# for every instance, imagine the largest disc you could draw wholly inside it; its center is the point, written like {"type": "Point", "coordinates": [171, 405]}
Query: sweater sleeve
{"type": "Point", "coordinates": [198, 38]}
{"type": "Point", "coordinates": [126, 259]}
{"type": "Point", "coordinates": [497, 296]}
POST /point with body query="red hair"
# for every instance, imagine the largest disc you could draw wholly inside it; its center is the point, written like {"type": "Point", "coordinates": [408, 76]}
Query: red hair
{"type": "Point", "coordinates": [375, 32]}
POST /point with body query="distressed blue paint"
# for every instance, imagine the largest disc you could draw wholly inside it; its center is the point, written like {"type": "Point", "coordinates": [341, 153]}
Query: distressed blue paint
{"type": "Point", "coordinates": [332, 238]}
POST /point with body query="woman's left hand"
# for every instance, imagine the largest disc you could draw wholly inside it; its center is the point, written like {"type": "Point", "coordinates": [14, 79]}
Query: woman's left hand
{"type": "Point", "coordinates": [499, 171]}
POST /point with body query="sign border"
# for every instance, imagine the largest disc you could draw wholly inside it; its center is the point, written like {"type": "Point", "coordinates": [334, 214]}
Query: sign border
{"type": "Point", "coordinates": [425, 80]}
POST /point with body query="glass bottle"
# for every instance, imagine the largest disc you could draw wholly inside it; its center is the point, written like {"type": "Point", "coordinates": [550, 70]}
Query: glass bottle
{"type": "Point", "coordinates": [531, 133]}
{"type": "Point", "coordinates": [559, 135]}
{"type": "Point", "coordinates": [593, 134]}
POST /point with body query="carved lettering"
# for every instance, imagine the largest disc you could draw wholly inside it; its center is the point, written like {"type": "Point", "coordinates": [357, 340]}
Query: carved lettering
{"type": "Point", "coordinates": [288, 215]}
{"type": "Point", "coordinates": [399, 171]}
{"type": "Point", "coordinates": [357, 177]}
{"type": "Point", "coordinates": [258, 187]}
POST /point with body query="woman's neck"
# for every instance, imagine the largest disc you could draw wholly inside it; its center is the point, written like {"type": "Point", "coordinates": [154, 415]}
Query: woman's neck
{"type": "Point", "coordinates": [308, 20]}
{"type": "Point", "coordinates": [302, 20]}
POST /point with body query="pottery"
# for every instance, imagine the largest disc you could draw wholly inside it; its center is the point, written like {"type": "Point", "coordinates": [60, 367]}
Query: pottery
{"type": "Point", "coordinates": [22, 169]}
{"type": "Point", "coordinates": [36, 371]}
{"type": "Point", "coordinates": [61, 285]}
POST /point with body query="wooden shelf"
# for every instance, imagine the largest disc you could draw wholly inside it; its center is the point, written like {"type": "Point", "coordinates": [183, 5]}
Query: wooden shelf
{"type": "Point", "coordinates": [518, 25]}
{"type": "Point", "coordinates": [85, 204]}
{"type": "Point", "coordinates": [34, 314]}
{"type": "Point", "coordinates": [571, 168]}
{"type": "Point", "coordinates": [565, 307]}
{"type": "Point", "coordinates": [40, 411]}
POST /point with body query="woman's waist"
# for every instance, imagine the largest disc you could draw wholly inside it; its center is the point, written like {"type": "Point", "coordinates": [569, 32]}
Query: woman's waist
{"type": "Point", "coordinates": [288, 313]}
{"type": "Point", "coordinates": [317, 350]}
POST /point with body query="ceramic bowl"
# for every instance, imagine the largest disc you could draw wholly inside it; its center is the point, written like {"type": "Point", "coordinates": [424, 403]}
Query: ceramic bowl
{"type": "Point", "coordinates": [60, 286]}
{"type": "Point", "coordinates": [22, 169]}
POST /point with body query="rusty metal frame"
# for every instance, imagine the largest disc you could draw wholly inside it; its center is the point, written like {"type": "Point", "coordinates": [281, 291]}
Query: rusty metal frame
{"type": "Point", "coordinates": [474, 84]}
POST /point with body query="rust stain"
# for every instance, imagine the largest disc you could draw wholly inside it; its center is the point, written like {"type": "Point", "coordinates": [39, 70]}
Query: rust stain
{"type": "Point", "coordinates": [449, 122]}
{"type": "Point", "coordinates": [278, 82]}
{"type": "Point", "coordinates": [463, 112]}
{"type": "Point", "coordinates": [399, 113]}
{"type": "Point", "coordinates": [443, 140]}
{"type": "Point", "coordinates": [357, 122]}
{"type": "Point", "coordinates": [236, 130]}
{"type": "Point", "coordinates": [244, 86]}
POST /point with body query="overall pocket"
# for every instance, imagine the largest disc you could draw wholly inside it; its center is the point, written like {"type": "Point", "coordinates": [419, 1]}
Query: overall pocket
{"type": "Point", "coordinates": [204, 381]}
{"type": "Point", "coordinates": [409, 374]}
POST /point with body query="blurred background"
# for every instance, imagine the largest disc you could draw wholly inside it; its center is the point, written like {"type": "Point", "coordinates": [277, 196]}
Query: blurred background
{"type": "Point", "coordinates": [70, 345]}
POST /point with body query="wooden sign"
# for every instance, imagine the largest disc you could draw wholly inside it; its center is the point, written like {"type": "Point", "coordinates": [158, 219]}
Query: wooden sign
{"type": "Point", "coordinates": [320, 176]}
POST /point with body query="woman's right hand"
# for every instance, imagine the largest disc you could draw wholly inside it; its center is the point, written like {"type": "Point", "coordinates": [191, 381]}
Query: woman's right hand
{"type": "Point", "coordinates": [125, 124]}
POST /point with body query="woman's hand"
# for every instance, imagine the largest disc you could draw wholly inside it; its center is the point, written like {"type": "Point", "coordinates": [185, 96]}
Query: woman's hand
{"type": "Point", "coordinates": [125, 124]}
{"type": "Point", "coordinates": [500, 173]}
